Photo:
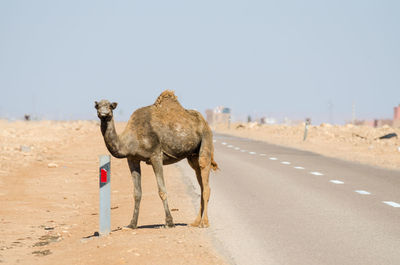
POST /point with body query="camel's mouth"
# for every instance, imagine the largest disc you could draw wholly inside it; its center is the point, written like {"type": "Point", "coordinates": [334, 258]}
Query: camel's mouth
{"type": "Point", "coordinates": [104, 116]}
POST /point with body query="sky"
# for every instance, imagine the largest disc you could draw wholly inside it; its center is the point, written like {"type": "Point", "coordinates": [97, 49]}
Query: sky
{"type": "Point", "coordinates": [279, 59]}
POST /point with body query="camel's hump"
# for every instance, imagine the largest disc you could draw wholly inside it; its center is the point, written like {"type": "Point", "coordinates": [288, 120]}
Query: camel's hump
{"type": "Point", "coordinates": [166, 95]}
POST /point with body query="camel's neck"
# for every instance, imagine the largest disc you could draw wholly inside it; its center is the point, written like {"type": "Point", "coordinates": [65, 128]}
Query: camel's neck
{"type": "Point", "coordinates": [112, 140]}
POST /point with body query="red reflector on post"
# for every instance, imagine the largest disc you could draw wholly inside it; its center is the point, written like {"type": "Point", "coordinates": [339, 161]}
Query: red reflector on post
{"type": "Point", "coordinates": [103, 176]}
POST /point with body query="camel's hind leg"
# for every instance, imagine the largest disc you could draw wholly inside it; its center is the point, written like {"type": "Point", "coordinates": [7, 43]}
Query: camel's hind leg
{"type": "Point", "coordinates": [162, 191]}
{"type": "Point", "coordinates": [134, 166]}
{"type": "Point", "coordinates": [194, 163]}
{"type": "Point", "coordinates": [202, 166]}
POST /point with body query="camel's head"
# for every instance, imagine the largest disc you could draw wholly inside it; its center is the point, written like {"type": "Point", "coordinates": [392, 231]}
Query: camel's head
{"type": "Point", "coordinates": [105, 109]}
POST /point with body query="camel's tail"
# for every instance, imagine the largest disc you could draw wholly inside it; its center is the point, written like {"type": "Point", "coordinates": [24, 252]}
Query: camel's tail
{"type": "Point", "coordinates": [214, 165]}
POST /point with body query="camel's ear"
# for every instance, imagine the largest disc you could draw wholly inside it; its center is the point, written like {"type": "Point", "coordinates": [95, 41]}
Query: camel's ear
{"type": "Point", "coordinates": [96, 105]}
{"type": "Point", "coordinates": [114, 105]}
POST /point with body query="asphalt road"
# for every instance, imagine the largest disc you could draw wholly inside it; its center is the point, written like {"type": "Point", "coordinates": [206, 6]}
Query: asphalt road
{"type": "Point", "coordinates": [276, 205]}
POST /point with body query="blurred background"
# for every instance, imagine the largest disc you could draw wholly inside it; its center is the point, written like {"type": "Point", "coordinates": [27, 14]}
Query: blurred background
{"type": "Point", "coordinates": [281, 61]}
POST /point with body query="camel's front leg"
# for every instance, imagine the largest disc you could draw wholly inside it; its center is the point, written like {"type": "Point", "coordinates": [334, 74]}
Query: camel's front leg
{"type": "Point", "coordinates": [162, 191]}
{"type": "Point", "coordinates": [134, 166]}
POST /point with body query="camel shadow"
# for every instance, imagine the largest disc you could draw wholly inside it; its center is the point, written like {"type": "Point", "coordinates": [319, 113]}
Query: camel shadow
{"type": "Point", "coordinates": [154, 226]}
{"type": "Point", "coordinates": [158, 226]}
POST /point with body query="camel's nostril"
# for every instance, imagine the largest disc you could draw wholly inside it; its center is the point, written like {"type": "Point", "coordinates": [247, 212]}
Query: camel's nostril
{"type": "Point", "coordinates": [103, 115]}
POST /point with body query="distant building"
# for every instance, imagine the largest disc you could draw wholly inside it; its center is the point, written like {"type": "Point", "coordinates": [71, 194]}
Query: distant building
{"type": "Point", "coordinates": [210, 116]}
{"type": "Point", "coordinates": [218, 115]}
{"type": "Point", "coordinates": [362, 123]}
{"type": "Point", "coordinates": [396, 113]}
{"type": "Point", "coordinates": [396, 117]}
{"type": "Point", "coordinates": [270, 121]}
{"type": "Point", "coordinates": [373, 123]}
{"type": "Point", "coordinates": [382, 122]}
{"type": "Point", "coordinates": [289, 122]}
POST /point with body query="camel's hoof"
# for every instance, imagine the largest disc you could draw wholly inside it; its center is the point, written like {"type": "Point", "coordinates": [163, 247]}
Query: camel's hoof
{"type": "Point", "coordinates": [204, 225]}
{"type": "Point", "coordinates": [195, 224]}
{"type": "Point", "coordinates": [201, 224]}
{"type": "Point", "coordinates": [131, 226]}
{"type": "Point", "coordinates": [169, 225]}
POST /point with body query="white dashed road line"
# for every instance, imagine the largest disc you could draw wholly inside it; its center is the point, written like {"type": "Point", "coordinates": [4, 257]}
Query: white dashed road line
{"type": "Point", "coordinates": [362, 192]}
{"type": "Point", "coordinates": [316, 173]}
{"type": "Point", "coordinates": [393, 204]}
{"type": "Point", "coordinates": [336, 181]}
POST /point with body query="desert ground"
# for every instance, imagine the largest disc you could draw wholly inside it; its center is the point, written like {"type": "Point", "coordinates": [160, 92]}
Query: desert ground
{"type": "Point", "coordinates": [49, 193]}
{"type": "Point", "coordinates": [354, 143]}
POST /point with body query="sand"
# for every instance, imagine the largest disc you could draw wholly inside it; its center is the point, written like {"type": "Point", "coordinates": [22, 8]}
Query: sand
{"type": "Point", "coordinates": [49, 195]}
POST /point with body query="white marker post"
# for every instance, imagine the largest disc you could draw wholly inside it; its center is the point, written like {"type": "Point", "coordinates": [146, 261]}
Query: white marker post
{"type": "Point", "coordinates": [307, 123]}
{"type": "Point", "coordinates": [105, 195]}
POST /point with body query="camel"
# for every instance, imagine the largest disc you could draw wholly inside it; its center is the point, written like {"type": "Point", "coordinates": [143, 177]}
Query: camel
{"type": "Point", "coordinates": [162, 134]}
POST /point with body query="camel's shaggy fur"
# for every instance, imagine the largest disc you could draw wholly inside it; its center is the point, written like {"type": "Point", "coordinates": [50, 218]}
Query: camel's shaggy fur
{"type": "Point", "coordinates": [161, 134]}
